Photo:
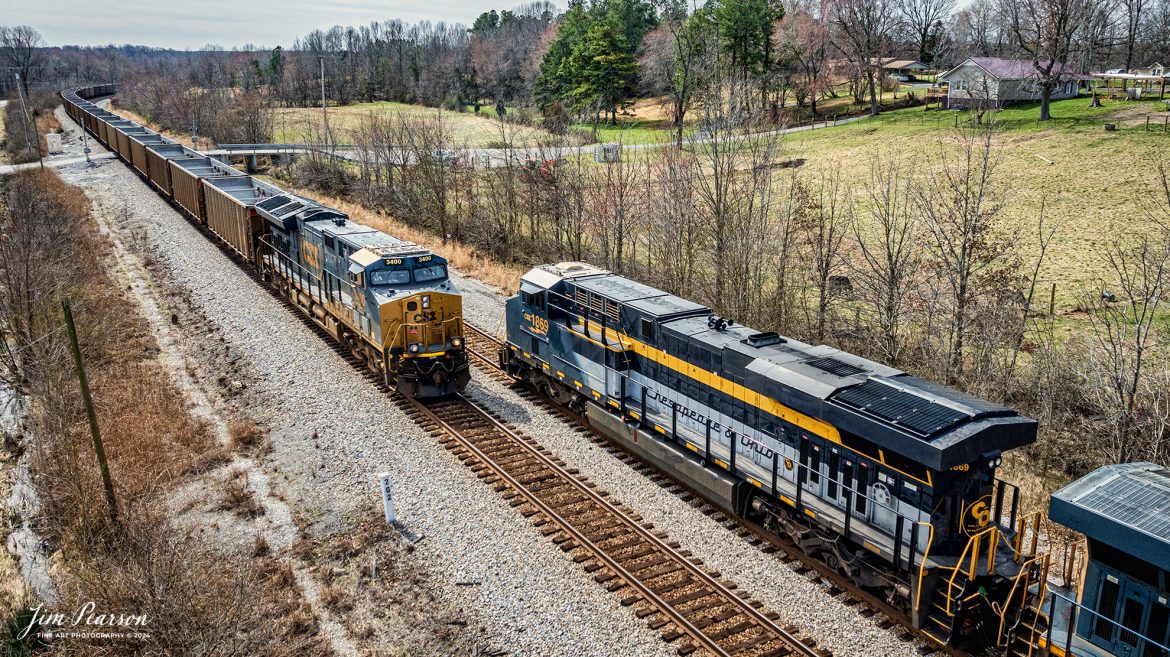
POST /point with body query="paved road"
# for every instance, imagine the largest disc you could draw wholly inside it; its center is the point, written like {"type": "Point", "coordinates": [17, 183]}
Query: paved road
{"type": "Point", "coordinates": [52, 163]}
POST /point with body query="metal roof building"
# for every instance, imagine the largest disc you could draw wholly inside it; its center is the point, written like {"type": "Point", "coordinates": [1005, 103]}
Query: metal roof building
{"type": "Point", "coordinates": [1121, 505]}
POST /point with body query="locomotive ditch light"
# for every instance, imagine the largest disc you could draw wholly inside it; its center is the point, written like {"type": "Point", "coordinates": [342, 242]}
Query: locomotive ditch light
{"type": "Point", "coordinates": [994, 459]}
{"type": "Point", "coordinates": [456, 342]}
{"type": "Point", "coordinates": [415, 347]}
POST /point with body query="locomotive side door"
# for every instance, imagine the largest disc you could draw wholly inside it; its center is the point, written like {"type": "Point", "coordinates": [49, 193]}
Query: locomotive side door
{"type": "Point", "coordinates": [836, 467]}
{"type": "Point", "coordinates": [1134, 604]}
{"type": "Point", "coordinates": [811, 461]}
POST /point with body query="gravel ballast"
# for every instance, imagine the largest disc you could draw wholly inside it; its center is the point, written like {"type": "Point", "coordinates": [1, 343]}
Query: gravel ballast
{"type": "Point", "coordinates": [333, 433]}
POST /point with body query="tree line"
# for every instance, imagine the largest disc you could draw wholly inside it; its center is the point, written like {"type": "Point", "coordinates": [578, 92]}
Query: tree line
{"type": "Point", "coordinates": [593, 58]}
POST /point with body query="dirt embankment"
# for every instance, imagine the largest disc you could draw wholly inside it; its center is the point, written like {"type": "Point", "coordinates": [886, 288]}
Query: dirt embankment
{"type": "Point", "coordinates": [168, 462]}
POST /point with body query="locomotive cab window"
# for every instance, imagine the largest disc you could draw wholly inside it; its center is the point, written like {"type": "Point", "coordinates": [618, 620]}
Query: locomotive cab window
{"type": "Point", "coordinates": [431, 273]}
{"type": "Point", "coordinates": [647, 330]}
{"type": "Point", "coordinates": [390, 277]}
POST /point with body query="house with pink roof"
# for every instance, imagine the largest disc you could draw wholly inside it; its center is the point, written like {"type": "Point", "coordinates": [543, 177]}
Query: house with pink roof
{"type": "Point", "coordinates": [995, 82]}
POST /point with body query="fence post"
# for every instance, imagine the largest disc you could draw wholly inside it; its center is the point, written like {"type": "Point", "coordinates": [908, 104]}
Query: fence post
{"type": "Point", "coordinates": [1052, 300]}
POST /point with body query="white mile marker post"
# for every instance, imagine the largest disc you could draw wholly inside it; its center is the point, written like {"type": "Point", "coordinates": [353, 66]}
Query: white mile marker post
{"type": "Point", "coordinates": [387, 498]}
{"type": "Point", "coordinates": [391, 517]}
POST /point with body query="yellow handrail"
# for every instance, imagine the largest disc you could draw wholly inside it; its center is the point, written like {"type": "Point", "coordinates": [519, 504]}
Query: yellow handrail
{"type": "Point", "coordinates": [1025, 576]}
{"type": "Point", "coordinates": [992, 549]}
{"type": "Point", "coordinates": [922, 566]}
{"type": "Point", "coordinates": [1018, 543]}
{"type": "Point", "coordinates": [972, 547]}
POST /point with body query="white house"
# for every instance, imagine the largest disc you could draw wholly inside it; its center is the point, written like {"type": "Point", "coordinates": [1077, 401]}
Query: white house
{"type": "Point", "coordinates": [995, 82]}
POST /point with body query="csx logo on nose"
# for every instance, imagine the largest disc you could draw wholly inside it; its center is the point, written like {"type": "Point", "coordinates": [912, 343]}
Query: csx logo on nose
{"type": "Point", "coordinates": [424, 316]}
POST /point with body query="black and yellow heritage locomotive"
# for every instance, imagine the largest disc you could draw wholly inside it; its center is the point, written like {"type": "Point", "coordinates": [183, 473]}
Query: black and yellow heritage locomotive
{"type": "Point", "coordinates": [388, 300]}
{"type": "Point", "coordinates": [885, 477]}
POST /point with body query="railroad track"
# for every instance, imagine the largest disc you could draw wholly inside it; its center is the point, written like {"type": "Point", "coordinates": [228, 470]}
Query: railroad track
{"type": "Point", "coordinates": [686, 603]}
{"type": "Point", "coordinates": [672, 590]}
{"type": "Point", "coordinates": [484, 347]}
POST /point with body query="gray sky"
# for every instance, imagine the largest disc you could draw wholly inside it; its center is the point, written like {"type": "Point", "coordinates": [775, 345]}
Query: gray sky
{"type": "Point", "coordinates": [192, 24]}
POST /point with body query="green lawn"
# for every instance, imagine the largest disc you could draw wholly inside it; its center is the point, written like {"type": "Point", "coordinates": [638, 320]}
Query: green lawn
{"type": "Point", "coordinates": [632, 132]}
{"type": "Point", "coordinates": [1094, 185]}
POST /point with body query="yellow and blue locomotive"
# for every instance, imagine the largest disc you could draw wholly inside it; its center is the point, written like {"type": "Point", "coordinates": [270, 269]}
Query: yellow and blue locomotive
{"type": "Point", "coordinates": [389, 301]}
{"type": "Point", "coordinates": [885, 477]}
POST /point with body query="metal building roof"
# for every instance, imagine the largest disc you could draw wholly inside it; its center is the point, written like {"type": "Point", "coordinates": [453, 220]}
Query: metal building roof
{"type": "Point", "coordinates": [1125, 505]}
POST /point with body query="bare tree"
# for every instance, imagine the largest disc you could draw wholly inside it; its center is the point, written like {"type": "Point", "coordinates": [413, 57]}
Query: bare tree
{"type": "Point", "coordinates": [673, 52]}
{"type": "Point", "coordinates": [886, 238]}
{"type": "Point", "coordinates": [1133, 27]}
{"type": "Point", "coordinates": [1124, 333]}
{"type": "Point", "coordinates": [979, 30]}
{"type": "Point", "coordinates": [613, 199]}
{"type": "Point", "coordinates": [925, 20]}
{"type": "Point", "coordinates": [863, 30]}
{"type": "Point", "coordinates": [673, 231]}
{"type": "Point", "coordinates": [806, 37]}
{"type": "Point", "coordinates": [821, 228]}
{"type": "Point", "coordinates": [1047, 31]}
{"type": "Point", "coordinates": [21, 50]}
{"type": "Point", "coordinates": [960, 204]}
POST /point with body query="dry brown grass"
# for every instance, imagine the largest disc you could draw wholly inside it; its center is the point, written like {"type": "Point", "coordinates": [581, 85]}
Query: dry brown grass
{"type": "Point", "coordinates": [239, 498]}
{"type": "Point", "coordinates": [135, 399]}
{"type": "Point", "coordinates": [467, 260]}
{"type": "Point", "coordinates": [299, 124]}
{"type": "Point", "coordinates": [248, 437]}
{"type": "Point", "coordinates": [198, 601]}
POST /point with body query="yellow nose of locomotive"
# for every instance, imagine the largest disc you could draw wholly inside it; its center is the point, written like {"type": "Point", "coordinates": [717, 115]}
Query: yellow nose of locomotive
{"type": "Point", "coordinates": [428, 358]}
{"type": "Point", "coordinates": [430, 324]}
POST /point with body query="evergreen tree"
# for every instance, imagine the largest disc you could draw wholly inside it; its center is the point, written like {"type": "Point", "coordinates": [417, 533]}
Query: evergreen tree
{"type": "Point", "coordinates": [592, 61]}
{"type": "Point", "coordinates": [551, 85]}
{"type": "Point", "coordinates": [601, 68]}
{"type": "Point", "coordinates": [274, 70]}
{"type": "Point", "coordinates": [745, 28]}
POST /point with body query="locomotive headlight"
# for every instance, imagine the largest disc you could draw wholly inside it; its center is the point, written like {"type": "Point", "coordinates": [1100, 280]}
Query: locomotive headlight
{"type": "Point", "coordinates": [415, 347]}
{"type": "Point", "coordinates": [426, 300]}
{"type": "Point", "coordinates": [457, 342]}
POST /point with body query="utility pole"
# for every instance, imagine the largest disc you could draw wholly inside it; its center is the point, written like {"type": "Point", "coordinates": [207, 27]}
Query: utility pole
{"type": "Point", "coordinates": [24, 122]}
{"type": "Point", "coordinates": [98, 448]}
{"type": "Point", "coordinates": [324, 113]}
{"type": "Point", "coordinates": [85, 147]}
{"type": "Point", "coordinates": [194, 137]}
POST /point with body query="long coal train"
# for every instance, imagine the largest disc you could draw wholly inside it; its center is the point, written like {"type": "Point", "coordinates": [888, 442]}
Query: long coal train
{"type": "Point", "coordinates": [388, 300]}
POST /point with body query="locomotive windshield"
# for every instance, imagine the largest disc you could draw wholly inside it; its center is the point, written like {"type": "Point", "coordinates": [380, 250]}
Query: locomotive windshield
{"type": "Point", "coordinates": [432, 273]}
{"type": "Point", "coordinates": [390, 277]}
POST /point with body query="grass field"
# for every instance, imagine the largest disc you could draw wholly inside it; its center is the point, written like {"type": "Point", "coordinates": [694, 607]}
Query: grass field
{"type": "Point", "coordinates": [298, 124]}
{"type": "Point", "coordinates": [1095, 185]}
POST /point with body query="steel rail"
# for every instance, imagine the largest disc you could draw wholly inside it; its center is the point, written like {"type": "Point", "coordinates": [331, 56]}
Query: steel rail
{"type": "Point", "coordinates": [600, 553]}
